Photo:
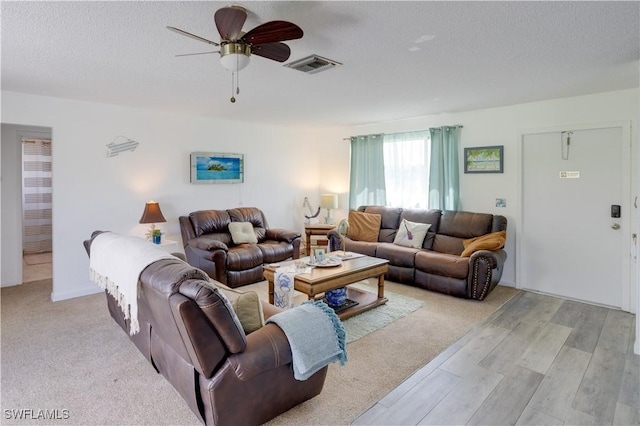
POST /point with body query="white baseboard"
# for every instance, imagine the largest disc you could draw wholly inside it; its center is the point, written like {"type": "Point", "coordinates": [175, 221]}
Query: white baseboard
{"type": "Point", "coordinates": [57, 296]}
{"type": "Point", "coordinates": [507, 283]}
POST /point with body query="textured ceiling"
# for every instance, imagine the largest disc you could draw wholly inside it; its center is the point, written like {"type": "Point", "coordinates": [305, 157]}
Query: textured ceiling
{"type": "Point", "coordinates": [401, 59]}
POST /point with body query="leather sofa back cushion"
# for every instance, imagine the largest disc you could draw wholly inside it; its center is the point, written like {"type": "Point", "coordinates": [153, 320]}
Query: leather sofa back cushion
{"type": "Point", "coordinates": [242, 232]}
{"type": "Point", "coordinates": [493, 241]}
{"type": "Point", "coordinates": [464, 225]}
{"type": "Point", "coordinates": [209, 221]}
{"type": "Point", "coordinates": [364, 226]}
{"type": "Point", "coordinates": [390, 216]}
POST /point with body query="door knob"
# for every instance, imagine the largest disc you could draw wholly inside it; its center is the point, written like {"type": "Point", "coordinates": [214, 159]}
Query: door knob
{"type": "Point", "coordinates": [616, 226]}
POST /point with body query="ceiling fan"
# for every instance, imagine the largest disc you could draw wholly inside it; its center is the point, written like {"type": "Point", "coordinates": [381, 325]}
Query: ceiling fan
{"type": "Point", "coordinates": [237, 46]}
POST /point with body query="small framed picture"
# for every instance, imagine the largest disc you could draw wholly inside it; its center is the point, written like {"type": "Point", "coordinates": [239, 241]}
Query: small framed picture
{"type": "Point", "coordinates": [319, 254]}
{"type": "Point", "coordinates": [484, 159]}
{"type": "Point", "coordinates": [212, 167]}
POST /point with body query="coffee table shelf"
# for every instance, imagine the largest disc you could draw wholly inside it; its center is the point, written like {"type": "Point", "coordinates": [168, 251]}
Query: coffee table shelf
{"type": "Point", "coordinates": [351, 271]}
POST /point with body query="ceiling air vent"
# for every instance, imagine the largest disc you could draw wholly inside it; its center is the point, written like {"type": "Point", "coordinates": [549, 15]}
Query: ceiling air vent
{"type": "Point", "coordinates": [312, 64]}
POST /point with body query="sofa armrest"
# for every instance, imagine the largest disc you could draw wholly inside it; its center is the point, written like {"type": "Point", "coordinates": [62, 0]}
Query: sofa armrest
{"type": "Point", "coordinates": [485, 270]}
{"type": "Point", "coordinates": [207, 243]}
{"type": "Point", "coordinates": [267, 348]}
{"type": "Point", "coordinates": [495, 257]}
{"type": "Point", "coordinates": [278, 234]}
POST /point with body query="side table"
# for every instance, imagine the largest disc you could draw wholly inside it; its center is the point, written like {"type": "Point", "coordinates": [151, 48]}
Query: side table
{"type": "Point", "coordinates": [321, 229]}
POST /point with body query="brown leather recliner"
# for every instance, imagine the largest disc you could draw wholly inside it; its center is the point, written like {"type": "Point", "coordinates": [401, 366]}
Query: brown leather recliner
{"type": "Point", "coordinates": [189, 336]}
{"type": "Point", "coordinates": [208, 245]}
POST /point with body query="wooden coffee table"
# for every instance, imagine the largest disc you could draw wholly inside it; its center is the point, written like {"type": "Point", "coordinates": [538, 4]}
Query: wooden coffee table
{"type": "Point", "coordinates": [319, 280]}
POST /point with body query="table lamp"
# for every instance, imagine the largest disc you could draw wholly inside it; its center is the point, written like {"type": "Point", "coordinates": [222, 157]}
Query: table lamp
{"type": "Point", "coordinates": [329, 201]}
{"type": "Point", "coordinates": [152, 215]}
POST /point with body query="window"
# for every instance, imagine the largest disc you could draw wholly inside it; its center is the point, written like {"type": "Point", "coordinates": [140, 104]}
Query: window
{"type": "Point", "coordinates": [406, 169]}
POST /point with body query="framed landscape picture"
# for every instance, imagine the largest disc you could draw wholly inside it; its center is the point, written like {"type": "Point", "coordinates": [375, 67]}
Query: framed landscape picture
{"type": "Point", "coordinates": [212, 167]}
{"type": "Point", "coordinates": [484, 159]}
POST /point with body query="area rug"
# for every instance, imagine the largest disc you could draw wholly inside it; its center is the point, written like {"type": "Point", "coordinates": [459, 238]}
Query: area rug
{"type": "Point", "coordinates": [367, 322]}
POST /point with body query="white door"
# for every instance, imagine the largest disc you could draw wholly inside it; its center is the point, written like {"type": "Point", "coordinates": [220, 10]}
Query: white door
{"type": "Point", "coordinates": [570, 244]}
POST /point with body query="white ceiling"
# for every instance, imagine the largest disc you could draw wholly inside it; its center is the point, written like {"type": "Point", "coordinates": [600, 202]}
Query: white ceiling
{"type": "Point", "coordinates": [401, 59]}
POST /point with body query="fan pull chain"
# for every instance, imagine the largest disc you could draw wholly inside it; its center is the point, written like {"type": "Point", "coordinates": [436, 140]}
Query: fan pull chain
{"type": "Point", "coordinates": [233, 77]}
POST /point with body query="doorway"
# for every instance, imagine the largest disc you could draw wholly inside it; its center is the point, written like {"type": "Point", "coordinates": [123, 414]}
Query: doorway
{"type": "Point", "coordinates": [12, 218]}
{"type": "Point", "coordinates": [573, 182]}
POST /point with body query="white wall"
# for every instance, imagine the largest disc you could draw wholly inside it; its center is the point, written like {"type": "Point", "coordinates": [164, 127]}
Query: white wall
{"type": "Point", "coordinates": [91, 191]}
{"type": "Point", "coordinates": [11, 195]}
{"type": "Point", "coordinates": [502, 126]}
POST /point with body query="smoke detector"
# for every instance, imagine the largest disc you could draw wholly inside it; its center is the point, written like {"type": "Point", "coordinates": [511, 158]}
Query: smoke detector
{"type": "Point", "coordinates": [313, 64]}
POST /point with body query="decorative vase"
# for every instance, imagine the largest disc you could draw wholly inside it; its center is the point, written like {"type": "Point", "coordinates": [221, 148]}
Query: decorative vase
{"type": "Point", "coordinates": [156, 239]}
{"type": "Point", "coordinates": [337, 297]}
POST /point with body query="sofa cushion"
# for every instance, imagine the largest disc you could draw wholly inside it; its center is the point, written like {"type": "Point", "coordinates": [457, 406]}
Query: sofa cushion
{"type": "Point", "coordinates": [442, 264]}
{"type": "Point", "coordinates": [242, 257]}
{"type": "Point", "coordinates": [492, 241]}
{"type": "Point", "coordinates": [242, 232]}
{"type": "Point", "coordinates": [275, 251]}
{"type": "Point", "coordinates": [397, 255]}
{"type": "Point", "coordinates": [465, 224]}
{"type": "Point", "coordinates": [447, 244]}
{"type": "Point", "coordinates": [389, 223]}
{"type": "Point", "coordinates": [209, 221]}
{"type": "Point", "coordinates": [364, 226]}
{"type": "Point", "coordinates": [411, 234]}
{"type": "Point", "coordinates": [362, 247]}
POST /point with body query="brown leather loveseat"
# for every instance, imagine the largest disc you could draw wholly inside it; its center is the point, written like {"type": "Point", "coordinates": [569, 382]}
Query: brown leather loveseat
{"type": "Point", "coordinates": [437, 264]}
{"type": "Point", "coordinates": [208, 244]}
{"type": "Point", "coordinates": [189, 335]}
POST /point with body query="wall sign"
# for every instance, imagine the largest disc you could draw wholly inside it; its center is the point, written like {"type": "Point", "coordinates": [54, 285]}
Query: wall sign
{"type": "Point", "coordinates": [570, 175]}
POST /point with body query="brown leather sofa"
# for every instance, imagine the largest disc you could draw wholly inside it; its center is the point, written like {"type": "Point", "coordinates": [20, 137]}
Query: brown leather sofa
{"type": "Point", "coordinates": [208, 245]}
{"type": "Point", "coordinates": [437, 266]}
{"type": "Point", "coordinates": [189, 336]}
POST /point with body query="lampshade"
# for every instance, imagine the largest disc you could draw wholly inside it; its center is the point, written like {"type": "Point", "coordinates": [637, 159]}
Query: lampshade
{"type": "Point", "coordinates": [152, 213]}
{"type": "Point", "coordinates": [235, 56]}
{"type": "Point", "coordinates": [329, 201]}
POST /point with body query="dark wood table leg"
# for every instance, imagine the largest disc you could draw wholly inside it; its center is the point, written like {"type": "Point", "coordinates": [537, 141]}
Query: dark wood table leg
{"type": "Point", "coordinates": [271, 291]}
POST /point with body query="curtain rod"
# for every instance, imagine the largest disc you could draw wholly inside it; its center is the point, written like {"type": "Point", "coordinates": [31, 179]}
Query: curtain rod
{"type": "Point", "coordinates": [460, 126]}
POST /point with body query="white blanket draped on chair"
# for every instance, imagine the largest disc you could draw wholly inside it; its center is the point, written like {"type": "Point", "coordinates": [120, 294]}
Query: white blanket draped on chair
{"type": "Point", "coordinates": [116, 262]}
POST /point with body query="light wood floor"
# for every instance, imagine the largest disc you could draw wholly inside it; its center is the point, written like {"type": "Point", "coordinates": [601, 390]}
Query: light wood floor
{"type": "Point", "coordinates": [538, 360]}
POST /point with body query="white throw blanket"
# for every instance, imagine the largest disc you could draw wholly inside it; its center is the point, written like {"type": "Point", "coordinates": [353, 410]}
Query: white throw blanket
{"type": "Point", "coordinates": [116, 262]}
{"type": "Point", "coordinates": [316, 337]}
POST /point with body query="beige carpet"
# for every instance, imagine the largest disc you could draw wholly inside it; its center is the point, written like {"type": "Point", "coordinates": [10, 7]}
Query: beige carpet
{"type": "Point", "coordinates": [70, 355]}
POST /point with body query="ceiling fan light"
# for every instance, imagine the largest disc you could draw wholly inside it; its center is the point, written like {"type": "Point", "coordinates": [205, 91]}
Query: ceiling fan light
{"type": "Point", "coordinates": [235, 56]}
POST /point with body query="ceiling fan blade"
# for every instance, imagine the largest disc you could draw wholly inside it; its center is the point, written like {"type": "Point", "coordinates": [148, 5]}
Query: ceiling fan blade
{"type": "Point", "coordinates": [271, 32]}
{"type": "Point", "coordinates": [193, 54]}
{"type": "Point", "coordinates": [277, 51]}
{"type": "Point", "coordinates": [184, 33]}
{"type": "Point", "coordinates": [229, 21]}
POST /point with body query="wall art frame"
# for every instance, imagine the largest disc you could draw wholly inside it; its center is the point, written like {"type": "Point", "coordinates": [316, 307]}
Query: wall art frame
{"type": "Point", "coordinates": [214, 167]}
{"type": "Point", "coordinates": [484, 159]}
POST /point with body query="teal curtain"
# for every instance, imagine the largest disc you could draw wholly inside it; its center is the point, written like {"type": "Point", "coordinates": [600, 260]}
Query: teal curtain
{"type": "Point", "coordinates": [367, 172]}
{"type": "Point", "coordinates": [444, 176]}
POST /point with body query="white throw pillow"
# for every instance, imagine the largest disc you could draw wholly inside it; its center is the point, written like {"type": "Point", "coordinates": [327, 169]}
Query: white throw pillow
{"type": "Point", "coordinates": [411, 234]}
{"type": "Point", "coordinates": [242, 232]}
